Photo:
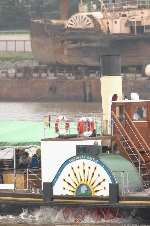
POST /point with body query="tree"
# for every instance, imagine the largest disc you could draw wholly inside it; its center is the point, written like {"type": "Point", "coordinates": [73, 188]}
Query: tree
{"type": "Point", "coordinates": [13, 15]}
{"type": "Point", "coordinates": [16, 14]}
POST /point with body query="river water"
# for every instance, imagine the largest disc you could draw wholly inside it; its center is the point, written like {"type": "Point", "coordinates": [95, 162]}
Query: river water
{"type": "Point", "coordinates": [57, 216]}
{"type": "Point", "coordinates": [37, 110]}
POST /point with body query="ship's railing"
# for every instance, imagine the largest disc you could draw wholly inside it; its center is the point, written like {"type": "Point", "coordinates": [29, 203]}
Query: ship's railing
{"type": "Point", "coordinates": [123, 178]}
{"type": "Point", "coordinates": [73, 119]}
{"type": "Point", "coordinates": [114, 6]}
{"type": "Point", "coordinates": [34, 181]}
{"type": "Point", "coordinates": [30, 180]}
{"type": "Point", "coordinates": [126, 5]}
{"type": "Point", "coordinates": [20, 179]}
{"type": "Point", "coordinates": [15, 46]}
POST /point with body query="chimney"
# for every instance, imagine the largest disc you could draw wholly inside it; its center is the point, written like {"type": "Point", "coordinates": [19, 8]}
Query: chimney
{"type": "Point", "coordinates": [64, 9]}
{"type": "Point", "coordinates": [111, 84]}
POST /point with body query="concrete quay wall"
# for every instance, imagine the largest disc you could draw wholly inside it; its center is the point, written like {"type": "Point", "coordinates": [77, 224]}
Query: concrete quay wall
{"type": "Point", "coordinates": [86, 90]}
{"type": "Point", "coordinates": [49, 89]}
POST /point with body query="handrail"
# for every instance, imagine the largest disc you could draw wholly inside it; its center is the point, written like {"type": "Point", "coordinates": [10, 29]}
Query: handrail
{"type": "Point", "coordinates": [125, 180]}
{"type": "Point", "coordinates": [135, 155]}
{"type": "Point", "coordinates": [128, 137]}
{"type": "Point", "coordinates": [32, 173]}
{"type": "Point", "coordinates": [125, 151]}
{"type": "Point", "coordinates": [36, 177]}
{"type": "Point", "coordinates": [137, 131]}
{"type": "Point", "coordinates": [124, 5]}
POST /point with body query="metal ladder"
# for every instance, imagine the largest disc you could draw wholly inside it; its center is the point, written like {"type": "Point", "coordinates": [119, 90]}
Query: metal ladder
{"type": "Point", "coordinates": [137, 152]}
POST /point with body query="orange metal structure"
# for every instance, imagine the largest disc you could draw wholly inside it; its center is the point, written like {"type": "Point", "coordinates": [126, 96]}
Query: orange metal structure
{"type": "Point", "coordinates": [64, 9]}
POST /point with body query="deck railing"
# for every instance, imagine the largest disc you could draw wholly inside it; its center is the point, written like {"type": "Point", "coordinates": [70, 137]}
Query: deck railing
{"type": "Point", "coordinates": [114, 6]}
{"type": "Point", "coordinates": [29, 180]}
{"type": "Point", "coordinates": [73, 119]}
{"type": "Point", "coordinates": [125, 5]}
{"type": "Point", "coordinates": [123, 178]}
{"type": "Point", "coordinates": [15, 46]}
{"type": "Point", "coordinates": [21, 179]}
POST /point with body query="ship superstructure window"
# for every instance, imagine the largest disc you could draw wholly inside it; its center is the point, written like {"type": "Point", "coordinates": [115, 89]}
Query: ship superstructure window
{"type": "Point", "coordinates": [92, 6]}
{"type": "Point", "coordinates": [90, 150]}
{"type": "Point", "coordinates": [140, 114]}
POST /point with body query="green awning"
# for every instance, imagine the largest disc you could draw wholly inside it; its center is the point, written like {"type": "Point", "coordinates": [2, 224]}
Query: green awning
{"type": "Point", "coordinates": [25, 133]}
{"type": "Point", "coordinates": [22, 133]}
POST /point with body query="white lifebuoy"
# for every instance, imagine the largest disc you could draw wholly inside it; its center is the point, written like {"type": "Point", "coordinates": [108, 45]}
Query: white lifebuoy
{"type": "Point", "coordinates": [59, 120]}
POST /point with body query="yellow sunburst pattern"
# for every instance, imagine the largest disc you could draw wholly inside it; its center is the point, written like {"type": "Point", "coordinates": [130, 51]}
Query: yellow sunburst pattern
{"type": "Point", "coordinates": [84, 179]}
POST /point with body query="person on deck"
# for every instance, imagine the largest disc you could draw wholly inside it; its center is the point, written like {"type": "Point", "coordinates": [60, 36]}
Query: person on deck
{"type": "Point", "coordinates": [114, 97]}
{"type": "Point", "coordinates": [34, 162]}
{"type": "Point", "coordinates": [24, 161]}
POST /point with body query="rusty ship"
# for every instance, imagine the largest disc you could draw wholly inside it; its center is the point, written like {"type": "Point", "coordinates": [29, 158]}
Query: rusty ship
{"type": "Point", "coordinates": [98, 28]}
{"type": "Point", "coordinates": [69, 52]}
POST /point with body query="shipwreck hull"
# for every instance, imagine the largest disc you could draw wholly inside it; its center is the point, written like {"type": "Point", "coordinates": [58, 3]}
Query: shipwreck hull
{"type": "Point", "coordinates": [52, 44]}
{"type": "Point", "coordinates": [49, 48]}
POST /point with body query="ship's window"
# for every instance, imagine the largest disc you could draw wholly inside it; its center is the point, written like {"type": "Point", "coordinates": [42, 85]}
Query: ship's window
{"type": "Point", "coordinates": [140, 29]}
{"type": "Point", "coordinates": [140, 114]}
{"type": "Point", "coordinates": [115, 21]}
{"type": "Point", "coordinates": [91, 150]}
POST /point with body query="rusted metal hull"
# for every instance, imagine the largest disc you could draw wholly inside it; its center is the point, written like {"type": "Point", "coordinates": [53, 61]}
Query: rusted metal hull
{"type": "Point", "coordinates": [48, 48]}
{"type": "Point", "coordinates": [52, 44]}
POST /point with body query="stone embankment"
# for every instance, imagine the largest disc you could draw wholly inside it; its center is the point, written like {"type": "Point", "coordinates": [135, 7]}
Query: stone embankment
{"type": "Point", "coordinates": [31, 83]}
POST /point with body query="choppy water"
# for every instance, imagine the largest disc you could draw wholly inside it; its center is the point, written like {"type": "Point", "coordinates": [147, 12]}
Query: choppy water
{"type": "Point", "coordinates": [59, 216]}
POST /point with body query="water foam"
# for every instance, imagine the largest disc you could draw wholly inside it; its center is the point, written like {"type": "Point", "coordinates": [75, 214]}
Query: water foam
{"type": "Point", "coordinates": [47, 215]}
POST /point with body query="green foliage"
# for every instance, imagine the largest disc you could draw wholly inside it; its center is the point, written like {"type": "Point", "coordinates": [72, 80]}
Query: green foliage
{"type": "Point", "coordinates": [13, 14]}
{"type": "Point", "coordinates": [16, 14]}
{"type": "Point", "coordinates": [15, 56]}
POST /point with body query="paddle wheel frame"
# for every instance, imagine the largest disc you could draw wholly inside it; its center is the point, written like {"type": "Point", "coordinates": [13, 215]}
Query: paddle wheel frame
{"type": "Point", "coordinates": [97, 215]}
